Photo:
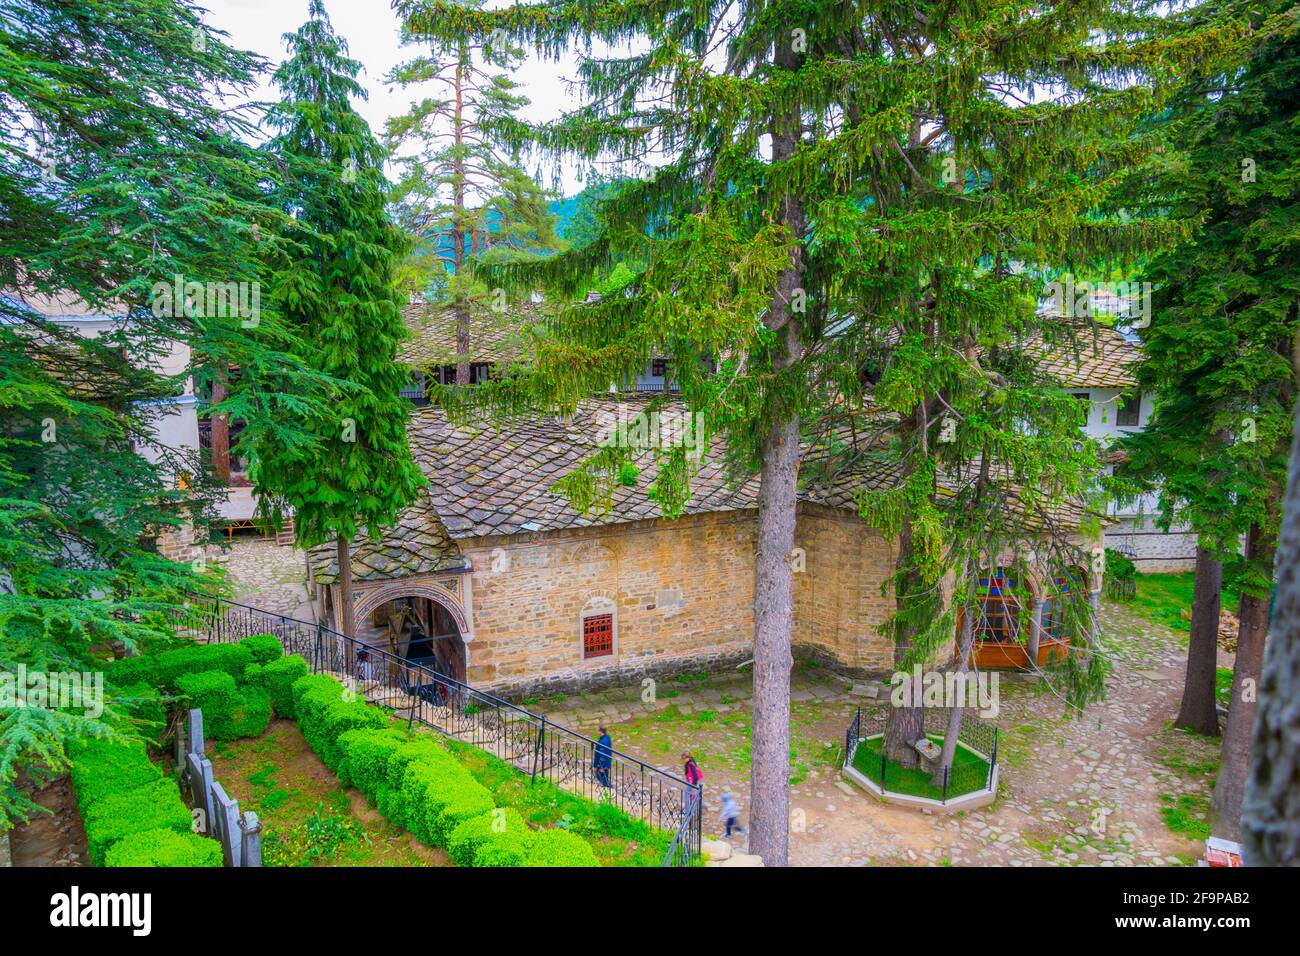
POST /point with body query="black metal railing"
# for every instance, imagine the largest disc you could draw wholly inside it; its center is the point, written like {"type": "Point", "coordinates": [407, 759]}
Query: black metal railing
{"type": "Point", "coordinates": [530, 742]}
{"type": "Point", "coordinates": [976, 736]}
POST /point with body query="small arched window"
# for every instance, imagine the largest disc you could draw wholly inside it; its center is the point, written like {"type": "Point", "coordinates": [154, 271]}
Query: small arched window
{"type": "Point", "coordinates": [599, 628]}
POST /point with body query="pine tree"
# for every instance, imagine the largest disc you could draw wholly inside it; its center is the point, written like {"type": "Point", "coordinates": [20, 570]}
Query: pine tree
{"type": "Point", "coordinates": [117, 173]}
{"type": "Point", "coordinates": [461, 193]}
{"type": "Point", "coordinates": [798, 225]}
{"type": "Point", "coordinates": [1221, 350]}
{"type": "Point", "coordinates": [335, 287]}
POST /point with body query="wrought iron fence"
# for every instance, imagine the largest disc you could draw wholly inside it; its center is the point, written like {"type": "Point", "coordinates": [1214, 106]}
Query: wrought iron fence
{"type": "Point", "coordinates": [965, 776]}
{"type": "Point", "coordinates": [530, 742]}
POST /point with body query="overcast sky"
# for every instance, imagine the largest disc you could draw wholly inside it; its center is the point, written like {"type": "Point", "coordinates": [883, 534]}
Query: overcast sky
{"type": "Point", "coordinates": [372, 31]}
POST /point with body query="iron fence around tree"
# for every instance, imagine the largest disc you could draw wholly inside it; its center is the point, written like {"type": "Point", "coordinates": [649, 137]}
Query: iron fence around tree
{"type": "Point", "coordinates": [530, 742]}
{"type": "Point", "coordinates": [973, 763]}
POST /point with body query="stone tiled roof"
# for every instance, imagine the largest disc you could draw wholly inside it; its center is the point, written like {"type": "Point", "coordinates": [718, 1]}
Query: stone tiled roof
{"type": "Point", "coordinates": [490, 481]}
{"type": "Point", "coordinates": [494, 336]}
{"type": "Point", "coordinates": [1100, 357]}
{"type": "Point", "coordinates": [418, 544]}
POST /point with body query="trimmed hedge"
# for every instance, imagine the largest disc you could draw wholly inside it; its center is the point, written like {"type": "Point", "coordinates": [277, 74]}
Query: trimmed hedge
{"type": "Point", "coordinates": [323, 715]}
{"type": "Point", "coordinates": [264, 648]}
{"type": "Point", "coordinates": [164, 848]}
{"type": "Point", "coordinates": [148, 709]}
{"type": "Point", "coordinates": [120, 792]}
{"type": "Point", "coordinates": [102, 767]}
{"type": "Point", "coordinates": [163, 670]}
{"type": "Point", "coordinates": [277, 679]}
{"type": "Point", "coordinates": [495, 838]}
{"type": "Point", "coordinates": [229, 712]}
{"type": "Point", "coordinates": [419, 785]}
{"type": "Point", "coordinates": [154, 806]}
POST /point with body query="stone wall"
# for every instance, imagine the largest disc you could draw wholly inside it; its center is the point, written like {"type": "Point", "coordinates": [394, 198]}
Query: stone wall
{"type": "Point", "coordinates": [1155, 550]}
{"type": "Point", "coordinates": [682, 593]}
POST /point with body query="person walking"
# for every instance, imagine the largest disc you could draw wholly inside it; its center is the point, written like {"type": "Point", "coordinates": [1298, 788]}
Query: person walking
{"type": "Point", "coordinates": [691, 770]}
{"type": "Point", "coordinates": [730, 815]}
{"type": "Point", "coordinates": [604, 757]}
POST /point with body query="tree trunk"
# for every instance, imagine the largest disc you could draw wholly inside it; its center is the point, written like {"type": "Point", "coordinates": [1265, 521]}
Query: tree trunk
{"type": "Point", "coordinates": [964, 644]}
{"type": "Point", "coordinates": [904, 725]}
{"type": "Point", "coordinates": [1198, 711]}
{"type": "Point", "coordinates": [1230, 788]}
{"type": "Point", "coordinates": [773, 579]}
{"type": "Point", "coordinates": [348, 626]}
{"type": "Point", "coordinates": [220, 436]}
{"type": "Point", "coordinates": [773, 597]}
{"type": "Point", "coordinates": [1271, 811]}
{"type": "Point", "coordinates": [459, 304]}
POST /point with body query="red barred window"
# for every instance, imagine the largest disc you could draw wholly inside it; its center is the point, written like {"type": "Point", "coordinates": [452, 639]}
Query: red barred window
{"type": "Point", "coordinates": [598, 635]}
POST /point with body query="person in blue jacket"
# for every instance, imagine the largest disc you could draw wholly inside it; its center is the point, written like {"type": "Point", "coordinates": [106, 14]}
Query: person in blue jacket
{"type": "Point", "coordinates": [604, 757]}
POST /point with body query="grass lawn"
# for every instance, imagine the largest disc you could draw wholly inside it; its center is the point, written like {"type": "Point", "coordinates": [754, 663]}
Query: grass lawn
{"type": "Point", "coordinates": [618, 839]}
{"type": "Point", "coordinates": [969, 771]}
{"type": "Point", "coordinates": [1162, 599]}
{"type": "Point", "coordinates": [307, 818]}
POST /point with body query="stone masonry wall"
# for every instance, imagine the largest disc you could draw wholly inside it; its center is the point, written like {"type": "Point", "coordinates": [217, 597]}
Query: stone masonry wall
{"type": "Point", "coordinates": [683, 593]}
{"type": "Point", "coordinates": [1155, 550]}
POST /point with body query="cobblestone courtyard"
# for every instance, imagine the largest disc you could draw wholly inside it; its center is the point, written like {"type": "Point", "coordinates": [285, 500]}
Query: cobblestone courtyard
{"type": "Point", "coordinates": [1082, 791]}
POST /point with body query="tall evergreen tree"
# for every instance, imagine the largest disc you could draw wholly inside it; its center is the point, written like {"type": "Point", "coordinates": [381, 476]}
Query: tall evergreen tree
{"type": "Point", "coordinates": [335, 288]}
{"type": "Point", "coordinates": [461, 193]}
{"type": "Point", "coordinates": [1223, 348]}
{"type": "Point", "coordinates": [798, 223]}
{"type": "Point", "coordinates": [117, 173]}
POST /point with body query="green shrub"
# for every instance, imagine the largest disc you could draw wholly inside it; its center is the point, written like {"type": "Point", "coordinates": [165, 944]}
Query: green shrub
{"type": "Point", "coordinates": [231, 658]}
{"type": "Point", "coordinates": [164, 848]}
{"type": "Point", "coordinates": [133, 671]}
{"type": "Point", "coordinates": [366, 761]}
{"type": "Point", "coordinates": [251, 715]}
{"type": "Point", "coordinates": [496, 838]}
{"type": "Point", "coordinates": [228, 712]}
{"type": "Point", "coordinates": [560, 848]}
{"type": "Point", "coordinates": [264, 648]}
{"type": "Point", "coordinates": [323, 715]}
{"type": "Point", "coordinates": [145, 704]}
{"type": "Point", "coordinates": [277, 679]}
{"type": "Point", "coordinates": [101, 768]}
{"type": "Point", "coordinates": [156, 805]}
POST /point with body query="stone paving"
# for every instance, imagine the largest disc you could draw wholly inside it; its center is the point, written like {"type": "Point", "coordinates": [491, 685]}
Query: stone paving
{"type": "Point", "coordinates": [1081, 791]}
{"type": "Point", "coordinates": [266, 575]}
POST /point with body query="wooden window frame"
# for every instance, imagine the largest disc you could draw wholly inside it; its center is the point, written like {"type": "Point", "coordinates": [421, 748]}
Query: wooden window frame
{"type": "Point", "coordinates": [1128, 414]}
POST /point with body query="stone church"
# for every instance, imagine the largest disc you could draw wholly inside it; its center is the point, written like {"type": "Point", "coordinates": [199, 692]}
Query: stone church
{"type": "Point", "coordinates": [517, 593]}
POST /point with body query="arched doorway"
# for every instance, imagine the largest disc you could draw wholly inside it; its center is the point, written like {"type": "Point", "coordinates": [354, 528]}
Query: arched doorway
{"type": "Point", "coordinates": [420, 623]}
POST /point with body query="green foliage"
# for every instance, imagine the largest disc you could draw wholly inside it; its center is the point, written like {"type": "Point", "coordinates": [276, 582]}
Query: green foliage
{"type": "Point", "coordinates": [104, 767]}
{"type": "Point", "coordinates": [124, 163]}
{"type": "Point", "coordinates": [229, 711]}
{"type": "Point", "coordinates": [324, 714]}
{"type": "Point", "coordinates": [333, 282]}
{"type": "Point", "coordinates": [164, 670]}
{"type": "Point", "coordinates": [1220, 349]}
{"type": "Point", "coordinates": [120, 792]}
{"type": "Point", "coordinates": [559, 848]}
{"type": "Point", "coordinates": [265, 648]}
{"type": "Point", "coordinates": [277, 679]}
{"type": "Point", "coordinates": [148, 709]}
{"type": "Point", "coordinates": [497, 838]}
{"type": "Point", "coordinates": [164, 848]}
{"type": "Point", "coordinates": [315, 841]}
